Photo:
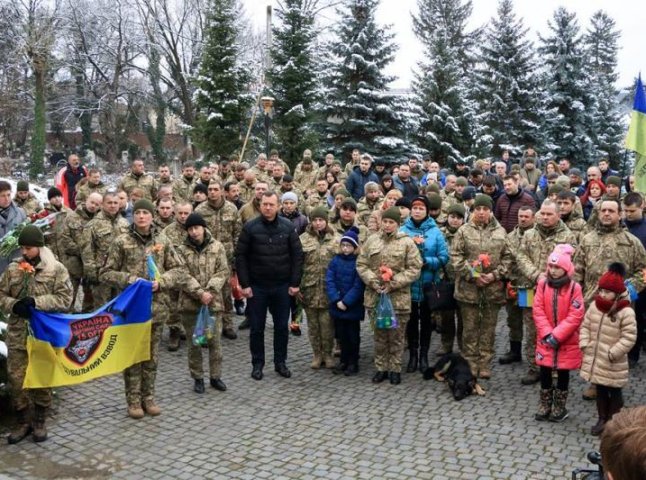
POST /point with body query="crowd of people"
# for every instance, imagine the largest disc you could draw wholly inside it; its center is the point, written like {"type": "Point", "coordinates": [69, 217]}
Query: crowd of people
{"type": "Point", "coordinates": [562, 252]}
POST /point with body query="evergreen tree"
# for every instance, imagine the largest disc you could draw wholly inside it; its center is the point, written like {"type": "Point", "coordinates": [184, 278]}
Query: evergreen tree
{"type": "Point", "coordinates": [601, 45]}
{"type": "Point", "coordinates": [293, 80]}
{"type": "Point", "coordinates": [506, 84]}
{"type": "Point", "coordinates": [222, 95]}
{"type": "Point", "coordinates": [360, 112]}
{"type": "Point", "coordinates": [448, 116]}
{"type": "Point", "coordinates": [569, 102]}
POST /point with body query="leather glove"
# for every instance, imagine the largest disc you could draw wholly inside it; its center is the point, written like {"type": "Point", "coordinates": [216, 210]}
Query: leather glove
{"type": "Point", "coordinates": [22, 306]}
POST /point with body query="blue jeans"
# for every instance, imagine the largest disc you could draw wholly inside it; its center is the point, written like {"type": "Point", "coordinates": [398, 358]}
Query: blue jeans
{"type": "Point", "coordinates": [276, 300]}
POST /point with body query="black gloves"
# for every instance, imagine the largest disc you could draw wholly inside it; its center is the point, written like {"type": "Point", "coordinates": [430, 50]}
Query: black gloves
{"type": "Point", "coordinates": [21, 307]}
{"type": "Point", "coordinates": [551, 341]}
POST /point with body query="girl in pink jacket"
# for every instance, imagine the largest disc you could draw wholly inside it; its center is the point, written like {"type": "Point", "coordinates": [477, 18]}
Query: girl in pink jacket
{"type": "Point", "coordinates": [558, 312]}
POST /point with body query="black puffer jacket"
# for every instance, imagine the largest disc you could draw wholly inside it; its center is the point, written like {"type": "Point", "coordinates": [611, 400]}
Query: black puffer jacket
{"type": "Point", "coordinates": [269, 253]}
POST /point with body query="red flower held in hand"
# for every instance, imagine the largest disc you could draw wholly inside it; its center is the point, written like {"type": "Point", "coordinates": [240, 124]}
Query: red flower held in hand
{"type": "Point", "coordinates": [26, 267]}
{"type": "Point", "coordinates": [386, 273]}
{"type": "Point", "coordinates": [418, 240]}
{"type": "Point", "coordinates": [484, 260]}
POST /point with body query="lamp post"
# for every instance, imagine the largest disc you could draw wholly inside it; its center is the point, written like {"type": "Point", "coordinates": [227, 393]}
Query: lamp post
{"type": "Point", "coordinates": [268, 108]}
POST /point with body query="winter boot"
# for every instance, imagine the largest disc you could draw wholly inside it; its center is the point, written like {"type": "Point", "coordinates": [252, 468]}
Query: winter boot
{"type": "Point", "coordinates": [316, 361]}
{"type": "Point", "coordinates": [198, 385]}
{"type": "Point", "coordinates": [328, 359]}
{"type": "Point", "coordinates": [531, 377]}
{"type": "Point", "coordinates": [544, 405]}
{"type": "Point", "coordinates": [151, 408]}
{"type": "Point", "coordinates": [23, 427]}
{"type": "Point", "coordinates": [135, 411]}
{"type": "Point", "coordinates": [412, 361]}
{"type": "Point", "coordinates": [559, 412]}
{"type": "Point", "coordinates": [513, 355]}
{"type": "Point", "coordinates": [603, 409]}
{"type": "Point", "coordinates": [423, 359]}
{"type": "Point", "coordinates": [173, 340]}
{"type": "Point", "coordinates": [39, 433]}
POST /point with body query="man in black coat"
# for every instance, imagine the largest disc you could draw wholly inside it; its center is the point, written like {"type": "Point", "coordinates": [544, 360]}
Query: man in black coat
{"type": "Point", "coordinates": [269, 263]}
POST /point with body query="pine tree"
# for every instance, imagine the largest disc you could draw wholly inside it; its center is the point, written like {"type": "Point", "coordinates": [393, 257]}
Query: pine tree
{"type": "Point", "coordinates": [360, 112]}
{"type": "Point", "coordinates": [506, 84]}
{"type": "Point", "coordinates": [601, 45]}
{"type": "Point", "coordinates": [448, 116]}
{"type": "Point", "coordinates": [222, 95]}
{"type": "Point", "coordinates": [569, 102]}
{"type": "Point", "coordinates": [293, 79]}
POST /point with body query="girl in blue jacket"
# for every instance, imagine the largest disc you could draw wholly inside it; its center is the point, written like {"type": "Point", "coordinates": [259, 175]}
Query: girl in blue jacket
{"type": "Point", "coordinates": [345, 292]}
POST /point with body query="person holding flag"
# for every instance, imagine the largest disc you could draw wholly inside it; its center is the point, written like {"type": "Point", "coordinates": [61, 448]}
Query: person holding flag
{"type": "Point", "coordinates": [636, 138]}
{"type": "Point", "coordinates": [34, 281]}
{"type": "Point", "coordinates": [144, 253]}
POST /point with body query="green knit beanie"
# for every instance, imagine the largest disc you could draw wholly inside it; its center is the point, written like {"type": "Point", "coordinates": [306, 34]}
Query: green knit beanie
{"type": "Point", "coordinates": [613, 180]}
{"type": "Point", "coordinates": [342, 191]}
{"type": "Point", "coordinates": [457, 209]}
{"type": "Point", "coordinates": [319, 212]}
{"type": "Point", "coordinates": [462, 182]}
{"type": "Point", "coordinates": [144, 204]}
{"type": "Point", "coordinates": [393, 214]}
{"type": "Point", "coordinates": [433, 188]}
{"type": "Point", "coordinates": [22, 186]}
{"type": "Point", "coordinates": [434, 201]}
{"type": "Point", "coordinates": [483, 200]}
{"type": "Point", "coordinates": [349, 203]}
{"type": "Point", "coordinates": [555, 189]}
{"type": "Point", "coordinates": [31, 236]}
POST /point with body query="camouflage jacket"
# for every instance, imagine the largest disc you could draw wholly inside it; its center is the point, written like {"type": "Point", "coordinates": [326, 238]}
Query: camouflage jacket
{"type": "Point", "coordinates": [317, 254]}
{"type": "Point", "coordinates": [365, 209]}
{"type": "Point", "coordinates": [261, 175]}
{"type": "Point", "coordinates": [535, 246]}
{"type": "Point", "coordinates": [126, 263]}
{"type": "Point", "coordinates": [397, 251]}
{"type": "Point", "coordinates": [247, 192]}
{"type": "Point", "coordinates": [249, 211]}
{"type": "Point", "coordinates": [30, 205]}
{"type": "Point", "coordinates": [208, 270]}
{"type": "Point", "coordinates": [70, 240]}
{"type": "Point", "coordinates": [161, 224]}
{"type": "Point", "coordinates": [313, 201]}
{"type": "Point", "coordinates": [513, 244]}
{"type": "Point", "coordinates": [224, 224]}
{"type": "Point", "coordinates": [449, 236]}
{"type": "Point", "coordinates": [183, 189]}
{"type": "Point", "coordinates": [306, 180]}
{"type": "Point", "coordinates": [577, 224]}
{"type": "Point", "coordinates": [162, 183]}
{"type": "Point", "coordinates": [86, 189]}
{"type": "Point", "coordinates": [469, 243]}
{"type": "Point", "coordinates": [144, 181]}
{"type": "Point", "coordinates": [53, 236]}
{"type": "Point", "coordinates": [340, 229]}
{"type": "Point", "coordinates": [603, 246]}
{"type": "Point", "coordinates": [176, 233]}
{"type": "Point", "coordinates": [49, 285]}
{"type": "Point", "coordinates": [98, 235]}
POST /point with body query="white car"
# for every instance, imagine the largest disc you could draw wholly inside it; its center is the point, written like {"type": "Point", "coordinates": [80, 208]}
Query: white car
{"type": "Point", "coordinates": [39, 192]}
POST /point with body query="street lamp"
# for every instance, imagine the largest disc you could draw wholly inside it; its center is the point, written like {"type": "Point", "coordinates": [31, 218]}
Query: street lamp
{"type": "Point", "coordinates": [268, 108]}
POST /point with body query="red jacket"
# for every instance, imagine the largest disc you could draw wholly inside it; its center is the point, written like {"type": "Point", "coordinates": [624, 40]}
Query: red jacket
{"type": "Point", "coordinates": [563, 324]}
{"type": "Point", "coordinates": [506, 209]}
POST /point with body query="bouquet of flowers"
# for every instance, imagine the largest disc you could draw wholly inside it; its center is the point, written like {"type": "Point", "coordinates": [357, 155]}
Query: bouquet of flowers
{"type": "Point", "coordinates": [480, 265]}
{"type": "Point", "coordinates": [386, 273]}
{"type": "Point", "coordinates": [43, 220]}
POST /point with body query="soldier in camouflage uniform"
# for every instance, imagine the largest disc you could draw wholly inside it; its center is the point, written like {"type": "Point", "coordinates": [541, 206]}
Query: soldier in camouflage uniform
{"type": "Point", "coordinates": [224, 224]}
{"type": "Point", "coordinates": [97, 236]}
{"type": "Point", "coordinates": [346, 217]}
{"type": "Point", "coordinates": [369, 203]}
{"type": "Point", "coordinates": [208, 272]}
{"type": "Point", "coordinates": [53, 237]}
{"type": "Point", "coordinates": [92, 184]}
{"type": "Point", "coordinates": [69, 242]}
{"type": "Point", "coordinates": [25, 199]}
{"type": "Point", "coordinates": [37, 280]}
{"type": "Point", "coordinates": [514, 312]}
{"type": "Point", "coordinates": [125, 264]}
{"type": "Point", "coordinates": [320, 244]}
{"type": "Point", "coordinates": [480, 241]}
{"type": "Point", "coordinates": [530, 259]}
{"type": "Point", "coordinates": [251, 209]}
{"type": "Point", "coordinates": [138, 178]}
{"type": "Point", "coordinates": [163, 179]}
{"type": "Point", "coordinates": [260, 169]}
{"type": "Point", "coordinates": [397, 251]}
{"type": "Point", "coordinates": [317, 198]}
{"type": "Point", "coordinates": [164, 214]}
{"type": "Point", "coordinates": [183, 186]}
{"type": "Point", "coordinates": [306, 177]}
{"type": "Point", "coordinates": [248, 186]}
{"type": "Point", "coordinates": [455, 219]}
{"type": "Point", "coordinates": [573, 220]}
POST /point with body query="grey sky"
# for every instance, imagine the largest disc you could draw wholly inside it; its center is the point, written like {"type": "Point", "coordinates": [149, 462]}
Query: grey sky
{"type": "Point", "coordinates": [628, 14]}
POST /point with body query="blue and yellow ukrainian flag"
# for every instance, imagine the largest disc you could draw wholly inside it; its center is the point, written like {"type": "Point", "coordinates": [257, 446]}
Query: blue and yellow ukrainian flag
{"type": "Point", "coordinates": [636, 138]}
{"type": "Point", "coordinates": [66, 349]}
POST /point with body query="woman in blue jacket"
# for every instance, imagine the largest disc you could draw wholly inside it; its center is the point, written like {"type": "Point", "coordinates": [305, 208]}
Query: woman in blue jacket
{"type": "Point", "coordinates": [345, 292]}
{"type": "Point", "coordinates": [432, 248]}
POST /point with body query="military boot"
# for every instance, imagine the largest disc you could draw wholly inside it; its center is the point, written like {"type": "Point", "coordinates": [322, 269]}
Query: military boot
{"type": "Point", "coordinates": [316, 361]}
{"type": "Point", "coordinates": [532, 377]}
{"type": "Point", "coordinates": [544, 405]}
{"type": "Point", "coordinates": [23, 427]}
{"type": "Point", "coordinates": [151, 408]}
{"type": "Point", "coordinates": [135, 411]}
{"type": "Point", "coordinates": [513, 355]}
{"type": "Point", "coordinates": [423, 359]}
{"type": "Point", "coordinates": [559, 412]}
{"type": "Point", "coordinates": [39, 431]}
{"type": "Point", "coordinates": [173, 340]}
{"type": "Point", "coordinates": [328, 359]}
{"type": "Point", "coordinates": [412, 361]}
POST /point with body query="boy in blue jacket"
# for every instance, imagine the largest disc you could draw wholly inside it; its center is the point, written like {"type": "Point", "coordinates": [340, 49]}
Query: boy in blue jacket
{"type": "Point", "coordinates": [345, 292]}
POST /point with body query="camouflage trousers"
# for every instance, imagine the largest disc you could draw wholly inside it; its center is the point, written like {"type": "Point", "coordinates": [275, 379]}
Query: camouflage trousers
{"type": "Point", "coordinates": [139, 379]}
{"type": "Point", "coordinates": [514, 320]}
{"type": "Point", "coordinates": [530, 338]}
{"type": "Point", "coordinates": [227, 296]}
{"type": "Point", "coordinates": [479, 334]}
{"type": "Point", "coordinates": [195, 364]}
{"type": "Point", "coordinates": [449, 331]}
{"type": "Point", "coordinates": [101, 294]}
{"type": "Point", "coordinates": [16, 368]}
{"type": "Point", "coordinates": [320, 330]}
{"type": "Point", "coordinates": [174, 321]}
{"type": "Point", "coordinates": [389, 344]}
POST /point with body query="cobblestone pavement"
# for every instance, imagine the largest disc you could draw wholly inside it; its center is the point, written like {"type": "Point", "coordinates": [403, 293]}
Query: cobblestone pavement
{"type": "Point", "coordinates": [314, 425]}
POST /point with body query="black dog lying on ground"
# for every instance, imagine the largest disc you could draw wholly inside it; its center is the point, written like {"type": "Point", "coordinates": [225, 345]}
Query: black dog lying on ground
{"type": "Point", "coordinates": [455, 370]}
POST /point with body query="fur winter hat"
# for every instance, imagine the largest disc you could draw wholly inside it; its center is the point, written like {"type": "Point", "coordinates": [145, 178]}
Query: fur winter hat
{"type": "Point", "coordinates": [613, 279]}
{"type": "Point", "coordinates": [351, 236]}
{"type": "Point", "coordinates": [561, 257]}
